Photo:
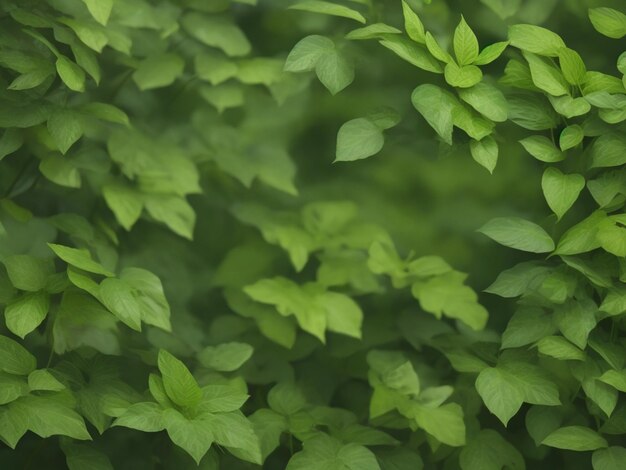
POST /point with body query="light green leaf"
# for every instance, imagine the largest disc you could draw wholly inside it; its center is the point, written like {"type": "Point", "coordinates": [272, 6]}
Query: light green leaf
{"type": "Point", "coordinates": [125, 202]}
{"type": "Point", "coordinates": [487, 100]}
{"type": "Point", "coordinates": [99, 9]}
{"type": "Point", "coordinates": [559, 348]}
{"type": "Point", "coordinates": [499, 393]}
{"type": "Point", "coordinates": [572, 66]}
{"type": "Point", "coordinates": [561, 191]}
{"type": "Point", "coordinates": [173, 211]}
{"type": "Point", "coordinates": [225, 357]}
{"type": "Point", "coordinates": [582, 237]}
{"type": "Point", "coordinates": [328, 8]}
{"type": "Point", "coordinates": [576, 438]}
{"type": "Point", "coordinates": [535, 39]}
{"type": "Point", "coordinates": [445, 423]}
{"type": "Point", "coordinates": [26, 312]}
{"type": "Point", "coordinates": [491, 53]}
{"type": "Point", "coordinates": [485, 152]}
{"type": "Point", "coordinates": [158, 71]}
{"type": "Point", "coordinates": [519, 234]}
{"type": "Point", "coordinates": [372, 31]}
{"type": "Point", "coordinates": [28, 272]}
{"type": "Point", "coordinates": [436, 106]}
{"type": "Point", "coordinates": [235, 432]}
{"type": "Point", "coordinates": [412, 24]}
{"type": "Point", "coordinates": [217, 31]}
{"type": "Point", "coordinates": [71, 74]}
{"type": "Point", "coordinates": [307, 52]}
{"type": "Point", "coordinates": [526, 326]}
{"type": "Point", "coordinates": [462, 77]}
{"type": "Point", "coordinates": [48, 417]}
{"type": "Point", "coordinates": [119, 297]}
{"type": "Point", "coordinates": [146, 417]}
{"type": "Point", "coordinates": [180, 385]}
{"type": "Point", "coordinates": [413, 53]}
{"type": "Point", "coordinates": [570, 137]}
{"type": "Point", "coordinates": [79, 258]}
{"type": "Point", "coordinates": [358, 139]}
{"type": "Point", "coordinates": [41, 379]}
{"type": "Point", "coordinates": [465, 44]}
{"type": "Point", "coordinates": [193, 436]}
{"type": "Point", "coordinates": [335, 71]}
{"type": "Point", "coordinates": [542, 149]}
{"type": "Point", "coordinates": [546, 76]}
{"type": "Point", "coordinates": [608, 21]}
{"type": "Point", "coordinates": [65, 127]}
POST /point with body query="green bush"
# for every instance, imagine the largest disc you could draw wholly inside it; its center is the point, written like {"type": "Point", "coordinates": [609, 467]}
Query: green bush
{"type": "Point", "coordinates": [188, 280]}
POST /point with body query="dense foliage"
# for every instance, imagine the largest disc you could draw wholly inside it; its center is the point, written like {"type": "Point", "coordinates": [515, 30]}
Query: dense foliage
{"type": "Point", "coordinates": [188, 280]}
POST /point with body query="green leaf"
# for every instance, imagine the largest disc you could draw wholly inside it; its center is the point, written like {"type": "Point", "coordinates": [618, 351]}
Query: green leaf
{"type": "Point", "coordinates": [465, 44]}
{"type": "Point", "coordinates": [535, 39]}
{"type": "Point", "coordinates": [26, 312]}
{"type": "Point", "coordinates": [436, 106]}
{"type": "Point", "coordinates": [225, 357]}
{"type": "Point", "coordinates": [148, 292]}
{"type": "Point", "coordinates": [413, 53]}
{"type": "Point", "coordinates": [546, 76]}
{"type": "Point", "coordinates": [14, 358]}
{"type": "Point", "coordinates": [286, 398]}
{"type": "Point", "coordinates": [65, 127]}
{"type": "Point", "coordinates": [559, 348]}
{"type": "Point", "coordinates": [576, 438]}
{"type": "Point", "coordinates": [542, 149]}
{"type": "Point", "coordinates": [561, 191]}
{"type": "Point", "coordinates": [335, 71]}
{"type": "Point", "coordinates": [146, 417]}
{"type": "Point", "coordinates": [235, 432]}
{"type": "Point", "coordinates": [526, 326]}
{"type": "Point", "coordinates": [217, 31]}
{"type": "Point", "coordinates": [324, 452]}
{"type": "Point", "coordinates": [106, 112]}
{"type": "Point", "coordinates": [465, 76]}
{"type": "Point", "coordinates": [487, 100]}
{"type": "Point", "coordinates": [570, 137]}
{"type": "Point", "coordinates": [193, 436]}
{"type": "Point", "coordinates": [28, 272]}
{"type": "Point", "coordinates": [71, 74]}
{"type": "Point", "coordinates": [173, 211]}
{"type": "Point", "coordinates": [11, 388]}
{"type": "Point", "coordinates": [499, 393]}
{"type": "Point", "coordinates": [358, 139]}
{"type": "Point", "coordinates": [307, 52]}
{"type": "Point", "coordinates": [519, 234]}
{"type": "Point", "coordinates": [485, 152]}
{"type": "Point", "coordinates": [412, 24]}
{"type": "Point", "coordinates": [436, 50]}
{"type": "Point", "coordinates": [490, 451]}
{"type": "Point", "coordinates": [180, 385]}
{"type": "Point", "coordinates": [582, 237]}
{"type": "Point", "coordinates": [445, 423]}
{"type": "Point", "coordinates": [125, 202]}
{"type": "Point", "coordinates": [446, 294]}
{"type": "Point", "coordinates": [608, 21]}
{"type": "Point", "coordinates": [576, 320]}
{"type": "Point", "coordinates": [372, 31]}
{"type": "Point", "coordinates": [158, 71]}
{"type": "Point", "coordinates": [608, 150]}
{"type": "Point", "coordinates": [99, 9]}
{"type": "Point", "coordinates": [41, 379]}
{"type": "Point", "coordinates": [328, 8]}
{"type": "Point", "coordinates": [572, 66]}
{"type": "Point", "coordinates": [80, 259]}
{"type": "Point", "coordinates": [491, 53]}
{"type": "Point", "coordinates": [48, 417]}
{"type": "Point", "coordinates": [611, 458]}
{"type": "Point", "coordinates": [83, 457]}
{"type": "Point", "coordinates": [615, 378]}
{"type": "Point", "coordinates": [119, 297]}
